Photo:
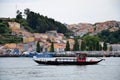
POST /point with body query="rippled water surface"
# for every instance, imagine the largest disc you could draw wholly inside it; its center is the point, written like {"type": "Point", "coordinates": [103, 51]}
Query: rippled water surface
{"type": "Point", "coordinates": [27, 69]}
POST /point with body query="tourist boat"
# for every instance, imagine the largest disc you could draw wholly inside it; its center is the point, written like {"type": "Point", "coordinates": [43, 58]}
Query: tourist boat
{"type": "Point", "coordinates": [78, 60]}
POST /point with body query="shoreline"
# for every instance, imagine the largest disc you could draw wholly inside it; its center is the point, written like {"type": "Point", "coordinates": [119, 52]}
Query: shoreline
{"type": "Point", "coordinates": [58, 55]}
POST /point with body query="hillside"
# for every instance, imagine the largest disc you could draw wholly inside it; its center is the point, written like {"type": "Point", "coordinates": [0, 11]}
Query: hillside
{"type": "Point", "coordinates": [107, 31]}
{"type": "Point", "coordinates": [34, 22]}
{"type": "Point", "coordinates": [39, 23]}
{"type": "Point", "coordinates": [107, 25]}
{"type": "Point", "coordinates": [82, 28]}
{"type": "Point", "coordinates": [5, 34]}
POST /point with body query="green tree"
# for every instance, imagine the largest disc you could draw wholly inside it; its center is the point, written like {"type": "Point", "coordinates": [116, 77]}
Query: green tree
{"type": "Point", "coordinates": [26, 11]}
{"type": "Point", "coordinates": [52, 47]}
{"type": "Point", "coordinates": [19, 15]}
{"type": "Point", "coordinates": [67, 46]}
{"type": "Point", "coordinates": [38, 47]}
{"type": "Point", "coordinates": [4, 29]}
{"type": "Point", "coordinates": [91, 42]}
{"type": "Point", "coordinates": [42, 23]}
{"type": "Point", "coordinates": [83, 46]}
{"type": "Point", "coordinates": [105, 46]}
{"type": "Point", "coordinates": [76, 46]}
{"type": "Point", "coordinates": [110, 37]}
{"type": "Point", "coordinates": [19, 18]}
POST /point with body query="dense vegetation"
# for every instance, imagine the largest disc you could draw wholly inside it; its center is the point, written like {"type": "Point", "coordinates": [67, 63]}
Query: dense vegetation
{"type": "Point", "coordinates": [76, 46]}
{"type": "Point", "coordinates": [110, 37]}
{"type": "Point", "coordinates": [5, 35]}
{"type": "Point", "coordinates": [91, 43]}
{"type": "Point", "coordinates": [39, 23]}
{"type": "Point", "coordinates": [52, 47]}
{"type": "Point", "coordinates": [67, 46]}
{"type": "Point", "coordinates": [4, 28]}
{"type": "Point", "coordinates": [38, 47]}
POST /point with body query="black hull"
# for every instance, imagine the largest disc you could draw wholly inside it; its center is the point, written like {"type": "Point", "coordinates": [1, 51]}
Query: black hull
{"type": "Point", "coordinates": [67, 63]}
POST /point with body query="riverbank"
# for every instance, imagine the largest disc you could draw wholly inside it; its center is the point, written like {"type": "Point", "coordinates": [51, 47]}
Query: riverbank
{"type": "Point", "coordinates": [13, 55]}
{"type": "Point", "coordinates": [60, 55]}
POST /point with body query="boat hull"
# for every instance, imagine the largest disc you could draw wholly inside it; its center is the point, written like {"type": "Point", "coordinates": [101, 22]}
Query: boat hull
{"type": "Point", "coordinates": [67, 62]}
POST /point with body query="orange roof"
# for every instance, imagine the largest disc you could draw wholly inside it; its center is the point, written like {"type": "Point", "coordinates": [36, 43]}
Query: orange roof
{"type": "Point", "coordinates": [57, 45]}
{"type": "Point", "coordinates": [12, 45]}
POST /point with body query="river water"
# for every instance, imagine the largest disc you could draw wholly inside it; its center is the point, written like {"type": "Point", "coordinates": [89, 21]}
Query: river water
{"type": "Point", "coordinates": [26, 69]}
